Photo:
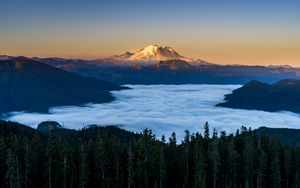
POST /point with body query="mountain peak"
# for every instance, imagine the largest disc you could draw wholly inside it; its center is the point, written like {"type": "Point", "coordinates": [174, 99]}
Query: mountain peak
{"type": "Point", "coordinates": [150, 53]}
{"type": "Point", "coordinates": [155, 52]}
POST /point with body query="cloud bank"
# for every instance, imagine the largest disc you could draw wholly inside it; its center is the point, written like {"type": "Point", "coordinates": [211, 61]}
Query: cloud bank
{"type": "Point", "coordinates": [164, 109]}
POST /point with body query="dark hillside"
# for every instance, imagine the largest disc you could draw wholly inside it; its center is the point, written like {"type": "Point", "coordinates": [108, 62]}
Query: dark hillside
{"type": "Point", "coordinates": [28, 85]}
{"type": "Point", "coordinates": [283, 95]}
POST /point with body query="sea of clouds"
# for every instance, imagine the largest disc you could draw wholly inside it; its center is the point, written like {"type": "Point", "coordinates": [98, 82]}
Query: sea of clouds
{"type": "Point", "coordinates": [164, 109]}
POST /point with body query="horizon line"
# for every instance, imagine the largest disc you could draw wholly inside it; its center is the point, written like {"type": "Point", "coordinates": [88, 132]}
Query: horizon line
{"type": "Point", "coordinates": [103, 58]}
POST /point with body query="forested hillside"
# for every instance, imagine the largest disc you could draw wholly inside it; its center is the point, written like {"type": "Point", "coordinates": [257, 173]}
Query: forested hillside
{"type": "Point", "coordinates": [256, 95]}
{"type": "Point", "coordinates": [29, 85]}
{"type": "Point", "coordinates": [112, 157]}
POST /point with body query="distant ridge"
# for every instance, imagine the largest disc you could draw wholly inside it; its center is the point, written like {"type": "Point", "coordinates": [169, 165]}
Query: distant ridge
{"type": "Point", "coordinates": [121, 70]}
{"type": "Point", "coordinates": [256, 95]}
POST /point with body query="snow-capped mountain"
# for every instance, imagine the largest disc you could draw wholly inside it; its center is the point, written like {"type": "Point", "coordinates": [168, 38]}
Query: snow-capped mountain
{"type": "Point", "coordinates": [149, 53]}
{"type": "Point", "coordinates": [153, 54]}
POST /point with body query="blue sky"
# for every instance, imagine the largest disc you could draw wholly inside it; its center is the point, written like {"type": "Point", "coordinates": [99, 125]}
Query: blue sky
{"type": "Point", "coordinates": [220, 31]}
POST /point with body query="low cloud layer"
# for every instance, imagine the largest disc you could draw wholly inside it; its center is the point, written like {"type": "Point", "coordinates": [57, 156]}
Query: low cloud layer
{"type": "Point", "coordinates": [164, 109]}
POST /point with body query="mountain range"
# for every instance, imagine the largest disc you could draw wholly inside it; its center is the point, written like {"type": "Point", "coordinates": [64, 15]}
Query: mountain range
{"type": "Point", "coordinates": [35, 84]}
{"type": "Point", "coordinates": [163, 65]}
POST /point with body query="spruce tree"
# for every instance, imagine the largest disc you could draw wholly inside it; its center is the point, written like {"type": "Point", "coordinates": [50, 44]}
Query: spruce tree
{"type": "Point", "coordinates": [11, 173]}
{"type": "Point", "coordinates": [2, 161]}
{"type": "Point", "coordinates": [200, 165]}
{"type": "Point", "coordinates": [262, 170]}
{"type": "Point", "coordinates": [248, 160]}
{"type": "Point", "coordinates": [130, 170]}
{"type": "Point", "coordinates": [162, 167]}
{"type": "Point", "coordinates": [275, 177]}
{"type": "Point", "coordinates": [100, 162]}
{"type": "Point", "coordinates": [234, 164]}
{"type": "Point", "coordinates": [215, 161]}
{"type": "Point", "coordinates": [186, 144]}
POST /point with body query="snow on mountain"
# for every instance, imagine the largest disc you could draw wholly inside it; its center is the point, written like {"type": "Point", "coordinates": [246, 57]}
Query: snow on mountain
{"type": "Point", "coordinates": [153, 54]}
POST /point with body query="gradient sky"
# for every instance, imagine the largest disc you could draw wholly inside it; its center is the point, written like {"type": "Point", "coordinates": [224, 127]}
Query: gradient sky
{"type": "Point", "coordinates": [225, 31]}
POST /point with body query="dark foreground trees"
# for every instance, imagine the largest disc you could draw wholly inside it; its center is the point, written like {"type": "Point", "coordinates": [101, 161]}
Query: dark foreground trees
{"type": "Point", "coordinates": [112, 157]}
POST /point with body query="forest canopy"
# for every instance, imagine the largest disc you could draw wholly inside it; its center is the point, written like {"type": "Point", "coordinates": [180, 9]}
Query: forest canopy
{"type": "Point", "coordinates": [112, 157]}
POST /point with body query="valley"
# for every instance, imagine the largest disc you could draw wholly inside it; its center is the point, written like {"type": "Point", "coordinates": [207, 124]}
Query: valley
{"type": "Point", "coordinates": [162, 89]}
{"type": "Point", "coordinates": [163, 109]}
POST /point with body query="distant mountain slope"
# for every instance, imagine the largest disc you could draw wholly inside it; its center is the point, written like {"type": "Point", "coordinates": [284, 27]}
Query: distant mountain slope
{"type": "Point", "coordinates": [175, 72]}
{"type": "Point", "coordinates": [283, 95]}
{"type": "Point", "coordinates": [285, 135]}
{"type": "Point", "coordinates": [172, 71]}
{"type": "Point", "coordinates": [45, 126]}
{"type": "Point", "coordinates": [28, 85]}
{"type": "Point", "coordinates": [173, 65]}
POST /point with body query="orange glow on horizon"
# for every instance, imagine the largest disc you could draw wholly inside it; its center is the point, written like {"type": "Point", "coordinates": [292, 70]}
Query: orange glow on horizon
{"type": "Point", "coordinates": [214, 54]}
{"type": "Point", "coordinates": [255, 49]}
